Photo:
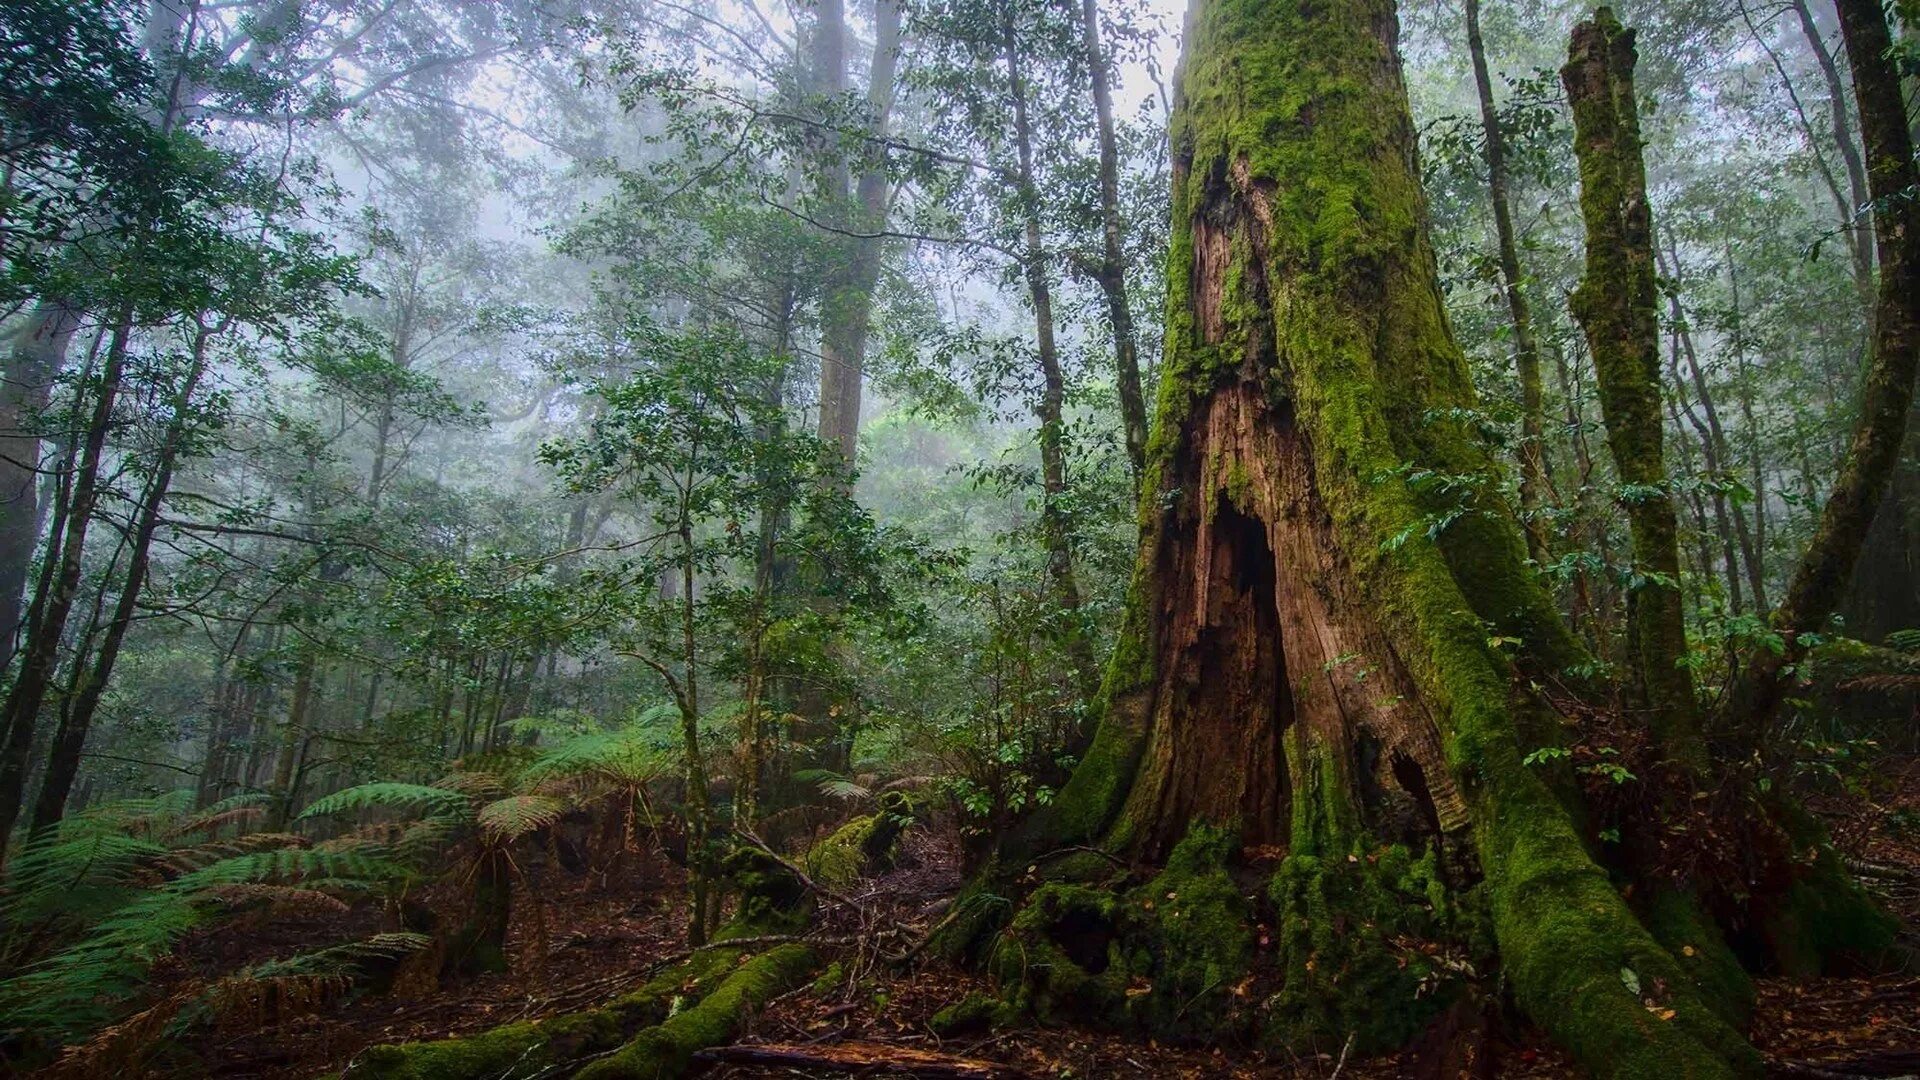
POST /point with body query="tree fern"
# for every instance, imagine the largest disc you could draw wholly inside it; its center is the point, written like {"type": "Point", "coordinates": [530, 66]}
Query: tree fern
{"type": "Point", "coordinates": [235, 811]}
{"type": "Point", "coordinates": [625, 757]}
{"type": "Point", "coordinates": [83, 986]}
{"type": "Point", "coordinates": [390, 795]}
{"type": "Point", "coordinates": [505, 820]}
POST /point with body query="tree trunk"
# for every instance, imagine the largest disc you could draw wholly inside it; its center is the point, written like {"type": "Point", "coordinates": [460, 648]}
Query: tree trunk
{"type": "Point", "coordinates": [480, 944]}
{"type": "Point", "coordinates": [1859, 224]}
{"type": "Point", "coordinates": [1536, 481]}
{"type": "Point", "coordinates": [76, 720]}
{"type": "Point", "coordinates": [1056, 531]}
{"type": "Point", "coordinates": [1616, 305]}
{"type": "Point", "coordinates": [1305, 661]}
{"type": "Point", "coordinates": [37, 354]}
{"type": "Point", "coordinates": [1887, 397]}
{"type": "Point", "coordinates": [59, 586]}
{"type": "Point", "coordinates": [847, 307]}
{"type": "Point", "coordinates": [1113, 255]}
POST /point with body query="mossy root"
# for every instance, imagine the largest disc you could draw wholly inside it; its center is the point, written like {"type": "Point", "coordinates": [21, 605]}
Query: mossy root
{"type": "Point", "coordinates": [518, 1051]}
{"type": "Point", "coordinates": [666, 1050]}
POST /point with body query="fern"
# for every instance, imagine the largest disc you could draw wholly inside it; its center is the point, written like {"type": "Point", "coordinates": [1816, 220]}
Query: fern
{"type": "Point", "coordinates": [390, 795]}
{"type": "Point", "coordinates": [505, 820]}
{"type": "Point", "coordinates": [81, 987]}
{"type": "Point", "coordinates": [625, 757]}
{"type": "Point", "coordinates": [239, 810]}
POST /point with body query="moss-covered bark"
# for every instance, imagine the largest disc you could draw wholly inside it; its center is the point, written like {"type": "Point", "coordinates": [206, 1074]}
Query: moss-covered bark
{"type": "Point", "coordinates": [1318, 652]}
{"type": "Point", "coordinates": [862, 846]}
{"type": "Point", "coordinates": [1617, 304]}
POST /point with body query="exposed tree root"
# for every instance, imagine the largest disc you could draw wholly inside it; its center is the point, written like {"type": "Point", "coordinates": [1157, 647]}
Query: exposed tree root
{"type": "Point", "coordinates": [667, 1049]}
{"type": "Point", "coordinates": [857, 1057]}
{"type": "Point", "coordinates": [518, 1051]}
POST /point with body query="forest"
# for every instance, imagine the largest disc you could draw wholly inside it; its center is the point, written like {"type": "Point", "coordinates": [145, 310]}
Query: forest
{"type": "Point", "coordinates": [959, 539]}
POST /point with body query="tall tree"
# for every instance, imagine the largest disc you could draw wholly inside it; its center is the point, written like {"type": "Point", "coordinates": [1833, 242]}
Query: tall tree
{"type": "Point", "coordinates": [1112, 272]}
{"type": "Point", "coordinates": [1617, 305]}
{"type": "Point", "coordinates": [1316, 630]}
{"type": "Point", "coordinates": [1887, 398]}
{"type": "Point", "coordinates": [1536, 481]}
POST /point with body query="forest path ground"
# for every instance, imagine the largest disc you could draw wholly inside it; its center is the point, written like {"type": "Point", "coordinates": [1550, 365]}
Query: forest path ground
{"type": "Point", "coordinates": [602, 936]}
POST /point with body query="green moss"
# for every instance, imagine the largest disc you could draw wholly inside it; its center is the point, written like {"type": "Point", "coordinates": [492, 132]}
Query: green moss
{"type": "Point", "coordinates": [973, 1013]}
{"type": "Point", "coordinates": [525, 1050]}
{"type": "Point", "coordinates": [1824, 922]}
{"type": "Point", "coordinates": [862, 846]}
{"type": "Point", "coordinates": [1370, 944]}
{"type": "Point", "coordinates": [772, 900]}
{"type": "Point", "coordinates": [667, 1049]}
{"type": "Point", "coordinates": [1191, 942]}
{"type": "Point", "coordinates": [1059, 955]}
{"type": "Point", "coordinates": [1675, 920]}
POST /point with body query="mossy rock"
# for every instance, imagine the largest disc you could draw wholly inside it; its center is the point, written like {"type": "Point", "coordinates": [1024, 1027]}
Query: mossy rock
{"type": "Point", "coordinates": [1060, 956]}
{"type": "Point", "coordinates": [974, 1013]}
{"type": "Point", "coordinates": [1191, 942]}
{"type": "Point", "coordinates": [772, 899]}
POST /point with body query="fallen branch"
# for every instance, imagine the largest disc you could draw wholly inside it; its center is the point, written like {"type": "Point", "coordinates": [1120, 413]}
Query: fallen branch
{"type": "Point", "coordinates": [859, 1057]}
{"type": "Point", "coordinates": [1885, 1065]}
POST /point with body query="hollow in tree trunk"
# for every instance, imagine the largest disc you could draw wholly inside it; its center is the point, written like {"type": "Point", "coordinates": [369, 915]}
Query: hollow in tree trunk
{"type": "Point", "coordinates": [1327, 662]}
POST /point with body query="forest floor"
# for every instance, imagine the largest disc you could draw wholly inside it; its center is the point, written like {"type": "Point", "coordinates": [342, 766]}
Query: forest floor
{"type": "Point", "coordinates": [602, 936]}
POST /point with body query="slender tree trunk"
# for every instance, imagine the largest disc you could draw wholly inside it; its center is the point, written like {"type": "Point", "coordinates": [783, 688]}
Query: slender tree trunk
{"type": "Point", "coordinates": [293, 737]}
{"type": "Point", "coordinates": [1112, 274]}
{"type": "Point", "coordinates": [1536, 479]}
{"type": "Point", "coordinates": [1860, 223]}
{"type": "Point", "coordinates": [847, 307]}
{"type": "Point", "coordinates": [1888, 393]}
{"type": "Point", "coordinates": [38, 351]}
{"type": "Point", "coordinates": [1050, 410]}
{"type": "Point", "coordinates": [1733, 527]}
{"type": "Point", "coordinates": [63, 761]}
{"type": "Point", "coordinates": [53, 602]}
{"type": "Point", "coordinates": [1616, 305]}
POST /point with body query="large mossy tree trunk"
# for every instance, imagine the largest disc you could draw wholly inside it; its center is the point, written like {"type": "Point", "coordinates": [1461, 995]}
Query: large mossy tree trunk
{"type": "Point", "coordinates": [1328, 636]}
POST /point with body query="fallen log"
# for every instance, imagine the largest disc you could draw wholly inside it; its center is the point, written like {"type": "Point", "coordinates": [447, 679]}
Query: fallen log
{"type": "Point", "coordinates": [858, 1057]}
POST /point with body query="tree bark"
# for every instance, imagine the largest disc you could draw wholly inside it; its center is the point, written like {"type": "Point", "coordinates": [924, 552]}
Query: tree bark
{"type": "Point", "coordinates": [38, 351]}
{"type": "Point", "coordinates": [1616, 305]}
{"type": "Point", "coordinates": [59, 586]}
{"type": "Point", "coordinates": [1305, 658]}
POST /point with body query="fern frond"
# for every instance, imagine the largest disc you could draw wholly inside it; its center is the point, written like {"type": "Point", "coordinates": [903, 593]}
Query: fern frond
{"type": "Point", "coordinates": [845, 790]}
{"type": "Point", "coordinates": [625, 756]}
{"type": "Point", "coordinates": [283, 899]}
{"type": "Point", "coordinates": [235, 810]}
{"type": "Point", "coordinates": [506, 820]}
{"type": "Point", "coordinates": [390, 795]}
{"type": "Point", "coordinates": [479, 785]}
